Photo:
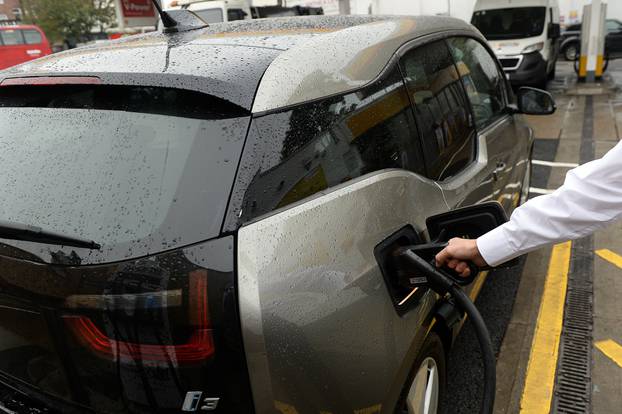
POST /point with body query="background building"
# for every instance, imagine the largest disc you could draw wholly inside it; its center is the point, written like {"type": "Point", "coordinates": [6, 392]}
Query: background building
{"type": "Point", "coordinates": [10, 10]}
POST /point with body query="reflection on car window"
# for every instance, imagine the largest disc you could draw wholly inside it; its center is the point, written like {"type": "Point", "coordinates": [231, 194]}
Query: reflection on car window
{"type": "Point", "coordinates": [11, 37]}
{"type": "Point", "coordinates": [32, 37]}
{"type": "Point", "coordinates": [441, 109]}
{"type": "Point", "coordinates": [314, 146]}
{"type": "Point", "coordinates": [481, 78]}
{"type": "Point", "coordinates": [120, 165]}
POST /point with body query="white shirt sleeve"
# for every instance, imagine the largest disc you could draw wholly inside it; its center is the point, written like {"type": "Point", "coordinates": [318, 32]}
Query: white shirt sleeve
{"type": "Point", "coordinates": [590, 199]}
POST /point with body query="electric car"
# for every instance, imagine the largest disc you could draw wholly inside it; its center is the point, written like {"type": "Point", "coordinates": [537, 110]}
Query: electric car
{"type": "Point", "coordinates": [193, 220]}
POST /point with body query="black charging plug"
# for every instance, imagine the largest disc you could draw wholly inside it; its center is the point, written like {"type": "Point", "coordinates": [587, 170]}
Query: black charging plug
{"type": "Point", "coordinates": [421, 275]}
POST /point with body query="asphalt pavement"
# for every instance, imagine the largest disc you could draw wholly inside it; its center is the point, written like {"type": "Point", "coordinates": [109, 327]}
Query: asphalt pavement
{"type": "Point", "coordinates": [497, 297]}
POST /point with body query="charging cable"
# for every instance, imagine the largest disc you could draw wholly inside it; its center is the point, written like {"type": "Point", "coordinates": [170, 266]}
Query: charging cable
{"type": "Point", "coordinates": [444, 284]}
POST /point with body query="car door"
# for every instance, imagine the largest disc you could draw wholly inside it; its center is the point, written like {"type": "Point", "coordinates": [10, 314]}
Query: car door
{"type": "Point", "coordinates": [555, 41]}
{"type": "Point", "coordinates": [454, 158]}
{"type": "Point", "coordinates": [328, 181]}
{"type": "Point", "coordinates": [503, 139]}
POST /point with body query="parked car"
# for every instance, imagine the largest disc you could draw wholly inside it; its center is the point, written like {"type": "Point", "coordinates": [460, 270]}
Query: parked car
{"type": "Point", "coordinates": [208, 204]}
{"type": "Point", "coordinates": [571, 40]}
{"type": "Point", "coordinates": [21, 43]}
{"type": "Point", "coordinates": [525, 36]}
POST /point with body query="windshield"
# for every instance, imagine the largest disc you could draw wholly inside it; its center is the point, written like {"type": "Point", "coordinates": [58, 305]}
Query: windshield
{"type": "Point", "coordinates": [138, 169]}
{"type": "Point", "coordinates": [512, 23]}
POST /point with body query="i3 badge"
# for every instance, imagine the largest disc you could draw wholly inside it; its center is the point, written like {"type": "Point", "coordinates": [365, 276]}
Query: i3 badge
{"type": "Point", "coordinates": [193, 402]}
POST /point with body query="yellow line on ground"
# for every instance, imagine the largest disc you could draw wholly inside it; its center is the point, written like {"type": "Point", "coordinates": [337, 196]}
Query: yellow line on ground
{"type": "Point", "coordinates": [477, 286]}
{"type": "Point", "coordinates": [540, 379]}
{"type": "Point", "coordinates": [612, 349]}
{"type": "Point", "coordinates": [610, 256]}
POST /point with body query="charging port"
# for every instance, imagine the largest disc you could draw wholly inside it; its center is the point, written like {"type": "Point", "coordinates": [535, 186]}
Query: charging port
{"type": "Point", "coordinates": [387, 253]}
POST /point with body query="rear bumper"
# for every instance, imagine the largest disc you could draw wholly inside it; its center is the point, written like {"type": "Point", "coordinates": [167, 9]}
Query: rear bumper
{"type": "Point", "coordinates": [530, 69]}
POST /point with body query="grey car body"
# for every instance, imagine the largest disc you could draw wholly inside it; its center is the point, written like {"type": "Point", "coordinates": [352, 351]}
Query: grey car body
{"type": "Point", "coordinates": [334, 160]}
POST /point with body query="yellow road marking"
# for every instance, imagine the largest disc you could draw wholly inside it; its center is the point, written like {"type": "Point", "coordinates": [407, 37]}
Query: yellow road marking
{"type": "Point", "coordinates": [612, 349]}
{"type": "Point", "coordinates": [369, 410]}
{"type": "Point", "coordinates": [599, 65]}
{"type": "Point", "coordinates": [477, 286]}
{"type": "Point", "coordinates": [610, 256]}
{"type": "Point", "coordinates": [285, 408]}
{"type": "Point", "coordinates": [540, 379]}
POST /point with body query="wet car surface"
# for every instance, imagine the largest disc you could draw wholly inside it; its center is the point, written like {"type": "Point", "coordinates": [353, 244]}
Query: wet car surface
{"type": "Point", "coordinates": [238, 183]}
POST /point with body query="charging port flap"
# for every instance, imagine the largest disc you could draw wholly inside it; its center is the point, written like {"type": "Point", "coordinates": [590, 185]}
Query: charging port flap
{"type": "Point", "coordinates": [404, 297]}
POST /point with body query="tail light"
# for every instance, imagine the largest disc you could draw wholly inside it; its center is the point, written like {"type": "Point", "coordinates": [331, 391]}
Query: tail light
{"type": "Point", "coordinates": [155, 327]}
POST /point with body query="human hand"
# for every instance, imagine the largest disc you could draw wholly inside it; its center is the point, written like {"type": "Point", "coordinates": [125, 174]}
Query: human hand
{"type": "Point", "coordinates": [456, 255]}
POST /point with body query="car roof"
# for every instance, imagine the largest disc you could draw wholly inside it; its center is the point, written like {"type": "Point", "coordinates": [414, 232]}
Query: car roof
{"type": "Point", "coordinates": [18, 26]}
{"type": "Point", "coordinates": [260, 64]}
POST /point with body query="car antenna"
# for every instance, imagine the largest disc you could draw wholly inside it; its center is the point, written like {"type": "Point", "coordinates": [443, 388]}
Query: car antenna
{"type": "Point", "coordinates": [167, 20]}
{"type": "Point", "coordinates": [178, 20]}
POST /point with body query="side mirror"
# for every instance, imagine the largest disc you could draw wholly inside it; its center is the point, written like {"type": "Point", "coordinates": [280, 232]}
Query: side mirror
{"type": "Point", "coordinates": [533, 101]}
{"type": "Point", "coordinates": [554, 31]}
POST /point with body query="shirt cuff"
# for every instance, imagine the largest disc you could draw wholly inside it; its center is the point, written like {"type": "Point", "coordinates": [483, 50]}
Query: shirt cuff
{"type": "Point", "coordinates": [494, 247]}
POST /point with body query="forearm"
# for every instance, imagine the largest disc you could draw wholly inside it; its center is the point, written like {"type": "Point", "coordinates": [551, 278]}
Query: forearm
{"type": "Point", "coordinates": [590, 199]}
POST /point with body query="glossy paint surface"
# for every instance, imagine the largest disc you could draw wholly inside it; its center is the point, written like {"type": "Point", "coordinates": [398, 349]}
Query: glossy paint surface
{"type": "Point", "coordinates": [147, 302]}
{"type": "Point", "coordinates": [320, 329]}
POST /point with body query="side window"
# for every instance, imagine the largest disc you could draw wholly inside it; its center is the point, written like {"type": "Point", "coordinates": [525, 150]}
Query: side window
{"type": "Point", "coordinates": [481, 77]}
{"type": "Point", "coordinates": [298, 152]}
{"type": "Point", "coordinates": [11, 37]}
{"type": "Point", "coordinates": [613, 26]}
{"type": "Point", "coordinates": [442, 111]}
{"type": "Point", "coordinates": [32, 37]}
{"type": "Point", "coordinates": [235, 14]}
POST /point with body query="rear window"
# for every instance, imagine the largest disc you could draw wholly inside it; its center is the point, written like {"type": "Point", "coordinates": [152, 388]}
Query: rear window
{"type": "Point", "coordinates": [138, 169]}
{"type": "Point", "coordinates": [11, 37]}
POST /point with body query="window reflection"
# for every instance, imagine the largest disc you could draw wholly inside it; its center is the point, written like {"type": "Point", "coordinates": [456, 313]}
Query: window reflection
{"type": "Point", "coordinates": [481, 77]}
{"type": "Point", "coordinates": [318, 145]}
{"type": "Point", "coordinates": [441, 109]}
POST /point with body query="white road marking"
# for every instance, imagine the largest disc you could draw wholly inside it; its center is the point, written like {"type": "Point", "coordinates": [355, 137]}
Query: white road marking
{"type": "Point", "coordinates": [540, 190]}
{"type": "Point", "coordinates": [555, 164]}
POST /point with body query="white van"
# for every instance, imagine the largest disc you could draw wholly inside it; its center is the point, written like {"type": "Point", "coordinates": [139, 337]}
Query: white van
{"type": "Point", "coordinates": [524, 34]}
{"type": "Point", "coordinates": [215, 11]}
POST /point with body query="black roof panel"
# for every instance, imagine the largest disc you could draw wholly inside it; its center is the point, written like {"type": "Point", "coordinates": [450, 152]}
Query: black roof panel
{"type": "Point", "coordinates": [226, 60]}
